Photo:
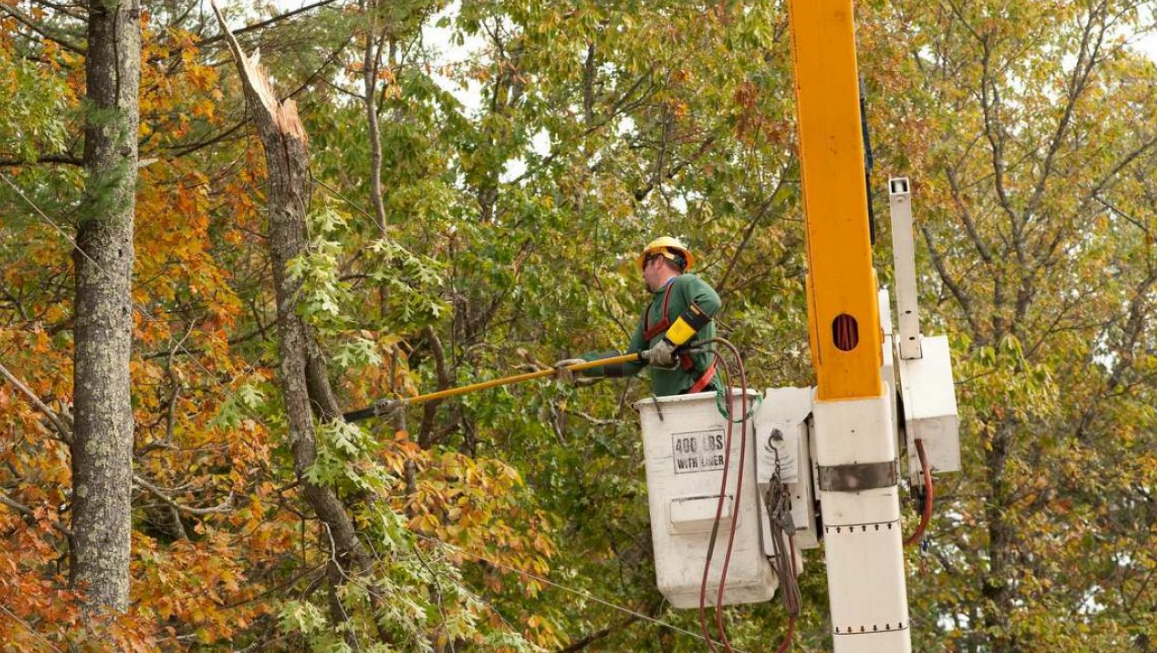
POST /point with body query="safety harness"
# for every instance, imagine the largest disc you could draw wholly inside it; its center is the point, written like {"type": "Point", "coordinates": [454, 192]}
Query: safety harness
{"type": "Point", "coordinates": [660, 327]}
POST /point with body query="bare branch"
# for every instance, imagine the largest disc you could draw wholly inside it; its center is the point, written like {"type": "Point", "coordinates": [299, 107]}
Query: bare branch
{"type": "Point", "coordinates": [265, 23]}
{"type": "Point", "coordinates": [642, 193]}
{"type": "Point", "coordinates": [16, 505]}
{"type": "Point", "coordinates": [225, 507]}
{"type": "Point", "coordinates": [962, 298]}
{"type": "Point", "coordinates": [587, 640]}
{"type": "Point", "coordinates": [755, 219]}
{"type": "Point", "coordinates": [597, 421]}
{"type": "Point", "coordinates": [67, 10]}
{"type": "Point", "coordinates": [30, 513]}
{"type": "Point", "coordinates": [621, 105]}
{"type": "Point", "coordinates": [62, 425]}
{"type": "Point", "coordinates": [1090, 47]}
{"type": "Point", "coordinates": [966, 216]}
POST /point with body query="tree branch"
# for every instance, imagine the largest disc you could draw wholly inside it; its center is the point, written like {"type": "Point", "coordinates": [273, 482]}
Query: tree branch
{"type": "Point", "coordinates": [30, 513]}
{"type": "Point", "coordinates": [642, 193]}
{"type": "Point", "coordinates": [47, 158]}
{"type": "Point", "coordinates": [61, 8]}
{"type": "Point", "coordinates": [31, 24]}
{"type": "Point", "coordinates": [16, 505]}
{"type": "Point", "coordinates": [619, 106]}
{"type": "Point", "coordinates": [961, 297]}
{"type": "Point", "coordinates": [370, 59]}
{"type": "Point", "coordinates": [982, 248]}
{"type": "Point", "coordinates": [225, 507]}
{"type": "Point", "coordinates": [302, 375]}
{"type": "Point", "coordinates": [265, 23]}
{"type": "Point", "coordinates": [62, 425]}
{"type": "Point", "coordinates": [184, 150]}
{"type": "Point", "coordinates": [1082, 71]}
{"type": "Point", "coordinates": [762, 211]}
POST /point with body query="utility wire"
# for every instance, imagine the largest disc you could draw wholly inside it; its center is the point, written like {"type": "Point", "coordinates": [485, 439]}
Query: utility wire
{"type": "Point", "coordinates": [570, 590]}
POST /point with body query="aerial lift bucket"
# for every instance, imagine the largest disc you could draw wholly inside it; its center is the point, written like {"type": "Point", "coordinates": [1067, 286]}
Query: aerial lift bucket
{"type": "Point", "coordinates": [684, 442]}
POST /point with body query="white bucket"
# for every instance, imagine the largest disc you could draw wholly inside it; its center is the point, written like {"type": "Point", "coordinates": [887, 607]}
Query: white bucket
{"type": "Point", "coordinates": [683, 442]}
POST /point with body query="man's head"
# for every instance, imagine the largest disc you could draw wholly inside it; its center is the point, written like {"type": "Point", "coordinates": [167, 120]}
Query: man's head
{"type": "Point", "coordinates": [663, 258]}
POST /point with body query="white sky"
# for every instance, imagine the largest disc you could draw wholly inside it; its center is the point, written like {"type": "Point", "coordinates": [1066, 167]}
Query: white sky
{"type": "Point", "coordinates": [440, 41]}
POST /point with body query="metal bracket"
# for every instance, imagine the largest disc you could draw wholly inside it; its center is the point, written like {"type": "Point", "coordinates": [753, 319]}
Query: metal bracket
{"type": "Point", "coordinates": [904, 258]}
{"type": "Point", "coordinates": [859, 477]}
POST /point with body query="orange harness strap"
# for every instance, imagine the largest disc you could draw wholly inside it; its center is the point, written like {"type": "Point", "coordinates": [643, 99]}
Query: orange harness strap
{"type": "Point", "coordinates": [704, 380]}
{"type": "Point", "coordinates": [649, 331]}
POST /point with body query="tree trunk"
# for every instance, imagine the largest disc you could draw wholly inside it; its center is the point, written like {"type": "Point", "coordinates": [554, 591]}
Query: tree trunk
{"type": "Point", "coordinates": [303, 375]}
{"type": "Point", "coordinates": [996, 584]}
{"type": "Point", "coordinates": [103, 443]}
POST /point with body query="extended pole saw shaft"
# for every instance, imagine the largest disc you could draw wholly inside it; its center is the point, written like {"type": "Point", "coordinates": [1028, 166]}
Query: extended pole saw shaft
{"type": "Point", "coordinates": [387, 406]}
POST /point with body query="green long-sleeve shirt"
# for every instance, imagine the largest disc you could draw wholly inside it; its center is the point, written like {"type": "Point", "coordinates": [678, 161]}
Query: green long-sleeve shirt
{"type": "Point", "coordinates": [685, 290]}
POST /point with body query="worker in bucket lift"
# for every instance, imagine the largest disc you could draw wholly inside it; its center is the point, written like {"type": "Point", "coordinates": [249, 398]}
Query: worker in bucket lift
{"type": "Point", "coordinates": [679, 316]}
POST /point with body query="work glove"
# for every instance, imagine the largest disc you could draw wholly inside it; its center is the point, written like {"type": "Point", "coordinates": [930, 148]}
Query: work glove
{"type": "Point", "coordinates": [570, 377]}
{"type": "Point", "coordinates": [662, 355]}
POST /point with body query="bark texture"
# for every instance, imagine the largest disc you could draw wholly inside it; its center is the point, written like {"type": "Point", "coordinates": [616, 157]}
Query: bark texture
{"type": "Point", "coordinates": [103, 440]}
{"type": "Point", "coordinates": [303, 375]}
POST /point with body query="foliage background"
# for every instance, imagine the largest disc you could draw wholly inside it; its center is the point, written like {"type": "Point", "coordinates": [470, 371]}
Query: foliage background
{"type": "Point", "coordinates": [506, 238]}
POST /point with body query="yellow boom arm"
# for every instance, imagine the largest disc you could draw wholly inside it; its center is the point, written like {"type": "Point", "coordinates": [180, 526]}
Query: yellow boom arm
{"type": "Point", "coordinates": [843, 314]}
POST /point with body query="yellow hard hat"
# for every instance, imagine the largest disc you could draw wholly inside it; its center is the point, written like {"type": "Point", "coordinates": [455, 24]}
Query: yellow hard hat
{"type": "Point", "coordinates": [669, 248]}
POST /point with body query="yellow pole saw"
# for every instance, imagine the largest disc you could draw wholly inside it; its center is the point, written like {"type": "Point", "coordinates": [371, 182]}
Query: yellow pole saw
{"type": "Point", "coordinates": [388, 406]}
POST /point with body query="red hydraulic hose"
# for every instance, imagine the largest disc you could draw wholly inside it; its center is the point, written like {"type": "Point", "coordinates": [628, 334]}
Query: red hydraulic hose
{"type": "Point", "coordinates": [722, 498]}
{"type": "Point", "coordinates": [738, 493]}
{"type": "Point", "coordinates": [787, 637]}
{"type": "Point", "coordinates": [926, 516]}
{"type": "Point", "coordinates": [715, 526]}
{"type": "Point", "coordinates": [718, 515]}
{"type": "Point", "coordinates": [743, 402]}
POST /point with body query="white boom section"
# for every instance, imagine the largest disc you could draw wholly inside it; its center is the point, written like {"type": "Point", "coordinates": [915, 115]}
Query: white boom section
{"type": "Point", "coordinates": [904, 260]}
{"type": "Point", "coordinates": [888, 355]}
{"type": "Point", "coordinates": [856, 456]}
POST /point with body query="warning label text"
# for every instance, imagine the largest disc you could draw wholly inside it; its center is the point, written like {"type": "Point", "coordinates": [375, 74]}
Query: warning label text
{"type": "Point", "coordinates": [697, 451]}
